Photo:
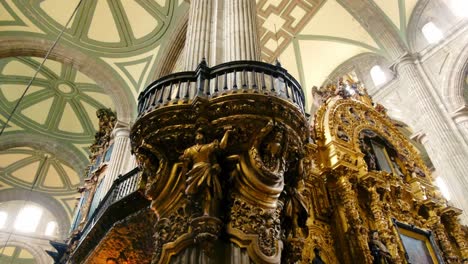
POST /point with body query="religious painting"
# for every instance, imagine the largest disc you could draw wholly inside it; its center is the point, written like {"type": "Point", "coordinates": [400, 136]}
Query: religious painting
{"type": "Point", "coordinates": [418, 244]}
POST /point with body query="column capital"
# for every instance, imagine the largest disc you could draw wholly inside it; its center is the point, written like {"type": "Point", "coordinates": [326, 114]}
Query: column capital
{"type": "Point", "coordinates": [121, 129]}
{"type": "Point", "coordinates": [405, 59]}
{"type": "Point", "coordinates": [460, 114]}
{"type": "Point", "coordinates": [419, 136]}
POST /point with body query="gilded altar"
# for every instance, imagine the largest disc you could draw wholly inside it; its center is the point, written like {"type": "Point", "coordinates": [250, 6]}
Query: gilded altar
{"type": "Point", "coordinates": [232, 164]}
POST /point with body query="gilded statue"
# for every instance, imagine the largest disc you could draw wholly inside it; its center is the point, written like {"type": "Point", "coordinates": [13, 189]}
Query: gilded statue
{"type": "Point", "coordinates": [369, 155]}
{"type": "Point", "coordinates": [151, 168]}
{"type": "Point", "coordinates": [273, 157]}
{"type": "Point", "coordinates": [296, 209]}
{"type": "Point", "coordinates": [201, 169]}
{"type": "Point", "coordinates": [268, 152]}
{"type": "Point", "coordinates": [378, 250]}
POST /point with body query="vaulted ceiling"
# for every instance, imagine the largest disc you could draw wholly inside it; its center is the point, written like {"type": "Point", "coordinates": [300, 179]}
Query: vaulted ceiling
{"type": "Point", "coordinates": [109, 52]}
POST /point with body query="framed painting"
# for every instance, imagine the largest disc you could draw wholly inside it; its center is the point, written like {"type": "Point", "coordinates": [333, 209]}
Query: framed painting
{"type": "Point", "coordinates": [419, 244]}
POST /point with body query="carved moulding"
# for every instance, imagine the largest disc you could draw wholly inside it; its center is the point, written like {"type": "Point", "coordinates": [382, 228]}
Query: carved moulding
{"type": "Point", "coordinates": [256, 229]}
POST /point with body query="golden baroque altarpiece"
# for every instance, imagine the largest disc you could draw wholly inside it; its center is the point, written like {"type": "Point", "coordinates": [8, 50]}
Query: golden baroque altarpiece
{"type": "Point", "coordinates": [237, 165]}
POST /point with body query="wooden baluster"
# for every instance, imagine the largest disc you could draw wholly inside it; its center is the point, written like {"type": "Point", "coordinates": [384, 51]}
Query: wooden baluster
{"type": "Point", "coordinates": [225, 81]}
{"type": "Point", "coordinates": [178, 91]}
{"type": "Point", "coordinates": [169, 94]}
{"type": "Point", "coordinates": [160, 101]}
{"type": "Point", "coordinates": [186, 96]}
{"type": "Point", "coordinates": [245, 80]}
{"type": "Point", "coordinates": [263, 81]}
{"type": "Point", "coordinates": [207, 87]}
{"type": "Point", "coordinates": [254, 79]}
{"type": "Point", "coordinates": [216, 84]}
{"type": "Point", "coordinates": [234, 84]}
{"type": "Point", "coordinates": [272, 83]}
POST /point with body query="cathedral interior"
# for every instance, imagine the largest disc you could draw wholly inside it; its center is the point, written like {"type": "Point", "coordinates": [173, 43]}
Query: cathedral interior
{"type": "Point", "coordinates": [233, 131]}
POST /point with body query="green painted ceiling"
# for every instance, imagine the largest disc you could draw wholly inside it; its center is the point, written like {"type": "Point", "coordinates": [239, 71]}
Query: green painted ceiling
{"type": "Point", "coordinates": [16, 255]}
{"type": "Point", "coordinates": [120, 36]}
{"type": "Point", "coordinates": [124, 38]}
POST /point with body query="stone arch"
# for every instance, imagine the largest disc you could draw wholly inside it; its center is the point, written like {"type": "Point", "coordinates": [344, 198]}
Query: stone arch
{"type": "Point", "coordinates": [424, 12]}
{"type": "Point", "coordinates": [370, 16]}
{"type": "Point", "coordinates": [28, 46]}
{"type": "Point", "coordinates": [25, 139]}
{"type": "Point", "coordinates": [362, 64]}
{"type": "Point", "coordinates": [455, 74]}
{"type": "Point", "coordinates": [52, 205]}
{"type": "Point", "coordinates": [38, 253]}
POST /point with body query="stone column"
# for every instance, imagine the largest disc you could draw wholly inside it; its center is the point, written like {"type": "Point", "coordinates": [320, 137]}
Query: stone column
{"type": "Point", "coordinates": [241, 37]}
{"type": "Point", "coordinates": [120, 155]}
{"type": "Point", "coordinates": [460, 117]}
{"type": "Point", "coordinates": [198, 37]}
{"type": "Point", "coordinates": [447, 152]}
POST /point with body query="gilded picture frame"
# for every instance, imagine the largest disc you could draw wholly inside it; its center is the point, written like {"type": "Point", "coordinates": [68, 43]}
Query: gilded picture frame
{"type": "Point", "coordinates": [419, 244]}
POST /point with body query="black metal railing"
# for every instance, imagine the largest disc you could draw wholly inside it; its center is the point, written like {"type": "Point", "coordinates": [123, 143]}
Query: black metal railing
{"type": "Point", "coordinates": [227, 78]}
{"type": "Point", "coordinates": [122, 187]}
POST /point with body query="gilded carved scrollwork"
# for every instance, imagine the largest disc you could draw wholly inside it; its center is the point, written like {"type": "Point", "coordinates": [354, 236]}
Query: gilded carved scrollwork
{"type": "Point", "coordinates": [382, 220]}
{"type": "Point", "coordinates": [255, 220]}
{"type": "Point", "coordinates": [252, 178]}
{"type": "Point", "coordinates": [358, 233]}
{"type": "Point", "coordinates": [250, 222]}
{"type": "Point", "coordinates": [449, 217]}
{"type": "Point", "coordinates": [169, 229]}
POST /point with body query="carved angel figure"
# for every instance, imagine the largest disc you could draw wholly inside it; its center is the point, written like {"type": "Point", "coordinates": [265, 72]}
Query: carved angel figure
{"type": "Point", "coordinates": [269, 150]}
{"type": "Point", "coordinates": [202, 169]}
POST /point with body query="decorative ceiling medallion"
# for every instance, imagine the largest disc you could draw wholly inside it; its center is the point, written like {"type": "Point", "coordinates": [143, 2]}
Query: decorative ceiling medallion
{"type": "Point", "coordinates": [20, 166]}
{"type": "Point", "coordinates": [61, 103]}
{"type": "Point", "coordinates": [105, 26]}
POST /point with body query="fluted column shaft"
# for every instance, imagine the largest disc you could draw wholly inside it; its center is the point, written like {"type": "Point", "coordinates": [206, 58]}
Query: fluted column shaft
{"type": "Point", "coordinates": [447, 152]}
{"type": "Point", "coordinates": [119, 158]}
{"type": "Point", "coordinates": [241, 37]}
{"type": "Point", "coordinates": [460, 117]}
{"type": "Point", "coordinates": [198, 40]}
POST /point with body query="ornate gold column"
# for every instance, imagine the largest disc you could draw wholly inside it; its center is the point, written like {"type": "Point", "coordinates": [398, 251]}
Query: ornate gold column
{"type": "Point", "coordinates": [382, 222]}
{"type": "Point", "coordinates": [450, 219]}
{"type": "Point", "coordinates": [357, 232]}
{"type": "Point", "coordinates": [435, 224]}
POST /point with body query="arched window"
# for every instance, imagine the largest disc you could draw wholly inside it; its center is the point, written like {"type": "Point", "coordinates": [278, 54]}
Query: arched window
{"type": "Point", "coordinates": [432, 33]}
{"type": "Point", "coordinates": [459, 7]}
{"type": "Point", "coordinates": [378, 75]}
{"type": "Point", "coordinates": [51, 228]}
{"type": "Point", "coordinates": [3, 219]}
{"type": "Point", "coordinates": [28, 219]}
